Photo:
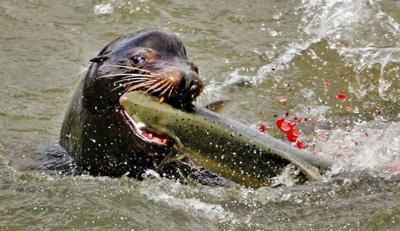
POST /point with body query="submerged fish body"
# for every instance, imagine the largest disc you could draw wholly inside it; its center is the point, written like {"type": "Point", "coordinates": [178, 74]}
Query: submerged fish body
{"type": "Point", "coordinates": [222, 145]}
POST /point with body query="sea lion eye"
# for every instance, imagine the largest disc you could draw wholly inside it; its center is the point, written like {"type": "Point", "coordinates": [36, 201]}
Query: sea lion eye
{"type": "Point", "coordinates": [137, 59]}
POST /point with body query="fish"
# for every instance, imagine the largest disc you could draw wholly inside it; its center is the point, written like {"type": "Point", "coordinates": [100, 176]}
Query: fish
{"type": "Point", "coordinates": [220, 144]}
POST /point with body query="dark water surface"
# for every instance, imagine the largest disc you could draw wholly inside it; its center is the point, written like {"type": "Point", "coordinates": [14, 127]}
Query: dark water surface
{"type": "Point", "coordinates": [269, 57]}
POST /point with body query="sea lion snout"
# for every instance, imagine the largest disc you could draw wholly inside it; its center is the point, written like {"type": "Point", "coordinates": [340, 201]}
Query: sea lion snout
{"type": "Point", "coordinates": [190, 86]}
{"type": "Point", "coordinates": [186, 83]}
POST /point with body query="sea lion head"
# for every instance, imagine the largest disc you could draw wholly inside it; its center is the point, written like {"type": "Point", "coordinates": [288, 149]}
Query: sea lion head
{"type": "Point", "coordinates": [152, 61]}
{"type": "Point", "coordinates": [96, 130]}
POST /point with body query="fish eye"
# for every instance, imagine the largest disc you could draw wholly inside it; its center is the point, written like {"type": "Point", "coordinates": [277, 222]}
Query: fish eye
{"type": "Point", "coordinates": [137, 59]}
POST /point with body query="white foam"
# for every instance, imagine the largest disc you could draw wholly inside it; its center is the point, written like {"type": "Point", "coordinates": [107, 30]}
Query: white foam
{"type": "Point", "coordinates": [368, 145]}
{"type": "Point", "coordinates": [191, 205]}
{"type": "Point", "coordinates": [103, 9]}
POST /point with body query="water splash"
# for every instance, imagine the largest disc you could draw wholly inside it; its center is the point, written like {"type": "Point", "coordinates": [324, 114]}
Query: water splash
{"type": "Point", "coordinates": [342, 23]}
{"type": "Point", "coordinates": [132, 7]}
{"type": "Point", "coordinates": [103, 9]}
{"type": "Point", "coordinates": [367, 145]}
{"type": "Point", "coordinates": [171, 195]}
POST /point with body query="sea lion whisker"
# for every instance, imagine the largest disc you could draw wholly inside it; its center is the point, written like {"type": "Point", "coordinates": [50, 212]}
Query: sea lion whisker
{"type": "Point", "coordinates": [169, 86]}
{"type": "Point", "coordinates": [126, 75]}
{"type": "Point", "coordinates": [139, 75]}
{"type": "Point", "coordinates": [126, 84]}
{"type": "Point", "coordinates": [161, 87]}
{"type": "Point", "coordinates": [170, 91]}
{"type": "Point", "coordinates": [142, 76]}
{"type": "Point", "coordinates": [138, 86]}
{"type": "Point", "coordinates": [156, 85]}
{"type": "Point", "coordinates": [132, 79]}
{"type": "Point", "coordinates": [150, 81]}
{"type": "Point", "coordinates": [141, 83]}
{"type": "Point", "coordinates": [117, 87]}
{"type": "Point", "coordinates": [129, 84]}
{"type": "Point", "coordinates": [126, 67]}
{"type": "Point", "coordinates": [113, 75]}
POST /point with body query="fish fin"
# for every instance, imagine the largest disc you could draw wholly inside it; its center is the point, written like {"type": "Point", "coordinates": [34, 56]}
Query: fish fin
{"type": "Point", "coordinates": [176, 153]}
{"type": "Point", "coordinates": [219, 105]}
{"type": "Point", "coordinates": [311, 171]}
{"type": "Point", "coordinates": [171, 157]}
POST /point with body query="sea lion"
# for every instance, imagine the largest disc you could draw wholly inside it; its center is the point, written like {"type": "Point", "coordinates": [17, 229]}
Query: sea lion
{"type": "Point", "coordinates": [99, 136]}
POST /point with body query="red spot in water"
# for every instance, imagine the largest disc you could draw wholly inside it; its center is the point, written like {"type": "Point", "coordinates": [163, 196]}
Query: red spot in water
{"type": "Point", "coordinates": [280, 122]}
{"type": "Point", "coordinates": [295, 133]}
{"type": "Point", "coordinates": [262, 127]}
{"type": "Point", "coordinates": [292, 134]}
{"type": "Point", "coordinates": [366, 134]}
{"type": "Point", "coordinates": [283, 125]}
{"type": "Point", "coordinates": [289, 128]}
{"type": "Point", "coordinates": [287, 114]}
{"type": "Point", "coordinates": [341, 97]}
{"type": "Point", "coordinates": [300, 144]}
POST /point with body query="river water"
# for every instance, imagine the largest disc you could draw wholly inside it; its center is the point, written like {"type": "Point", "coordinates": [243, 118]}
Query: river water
{"type": "Point", "coordinates": [335, 63]}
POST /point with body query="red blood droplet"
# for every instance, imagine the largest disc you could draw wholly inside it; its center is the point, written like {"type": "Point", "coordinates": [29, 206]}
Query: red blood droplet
{"type": "Point", "coordinates": [296, 133]}
{"type": "Point", "coordinates": [289, 128]}
{"type": "Point", "coordinates": [283, 125]}
{"type": "Point", "coordinates": [262, 127]}
{"type": "Point", "coordinates": [292, 135]}
{"type": "Point", "coordinates": [341, 97]}
{"type": "Point", "coordinates": [366, 134]}
{"type": "Point", "coordinates": [279, 122]}
{"type": "Point", "coordinates": [300, 145]}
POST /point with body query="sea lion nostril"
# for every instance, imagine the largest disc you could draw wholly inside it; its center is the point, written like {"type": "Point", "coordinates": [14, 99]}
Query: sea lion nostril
{"type": "Point", "coordinates": [190, 84]}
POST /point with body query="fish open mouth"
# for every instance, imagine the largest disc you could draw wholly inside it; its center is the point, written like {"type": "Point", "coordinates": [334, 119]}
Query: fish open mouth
{"type": "Point", "coordinates": [143, 132]}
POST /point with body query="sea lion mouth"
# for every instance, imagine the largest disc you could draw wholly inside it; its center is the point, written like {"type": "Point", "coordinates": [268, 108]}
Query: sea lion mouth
{"type": "Point", "coordinates": [144, 133]}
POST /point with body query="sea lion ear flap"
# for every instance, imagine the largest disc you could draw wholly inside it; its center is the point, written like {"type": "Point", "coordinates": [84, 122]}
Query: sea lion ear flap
{"type": "Point", "coordinates": [99, 59]}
